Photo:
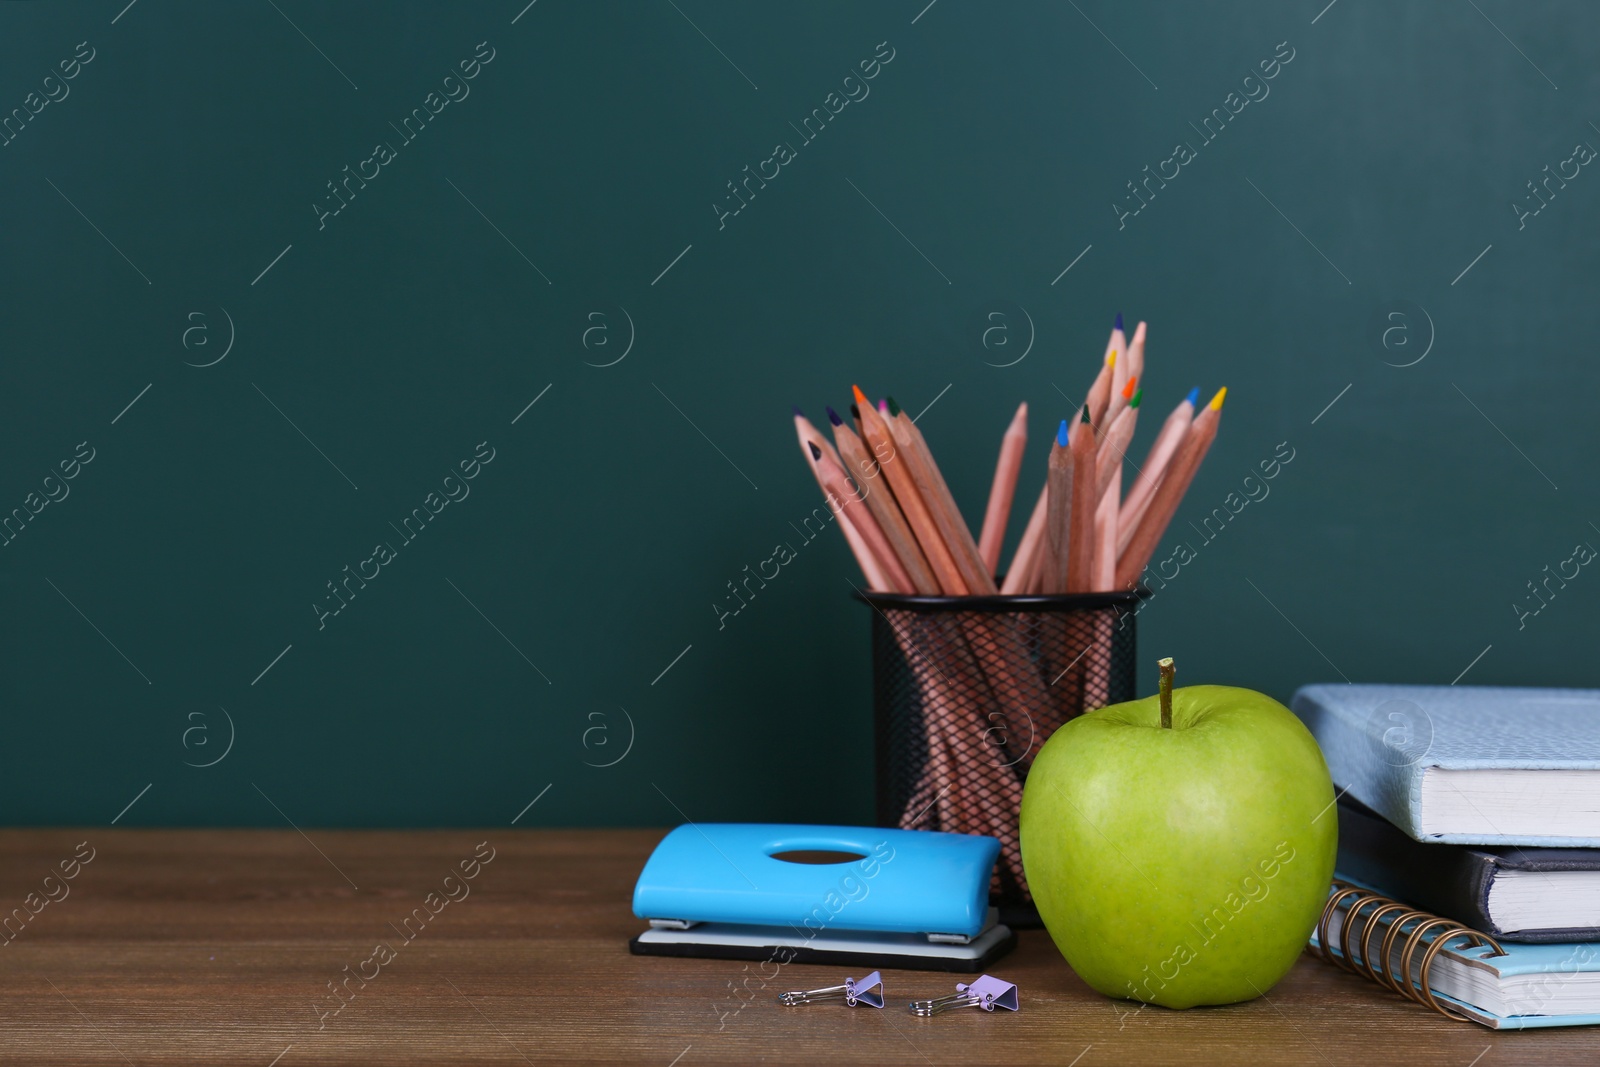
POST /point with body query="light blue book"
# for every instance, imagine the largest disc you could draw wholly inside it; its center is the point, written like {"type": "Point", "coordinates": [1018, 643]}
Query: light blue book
{"type": "Point", "coordinates": [1524, 987]}
{"type": "Point", "coordinates": [1475, 765]}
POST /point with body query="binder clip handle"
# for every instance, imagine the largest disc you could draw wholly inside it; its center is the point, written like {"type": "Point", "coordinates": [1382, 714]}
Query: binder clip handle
{"type": "Point", "coordinates": [987, 992]}
{"type": "Point", "coordinates": [853, 992]}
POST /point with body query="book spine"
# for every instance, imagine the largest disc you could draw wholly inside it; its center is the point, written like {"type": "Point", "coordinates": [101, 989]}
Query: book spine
{"type": "Point", "coordinates": [1479, 915]}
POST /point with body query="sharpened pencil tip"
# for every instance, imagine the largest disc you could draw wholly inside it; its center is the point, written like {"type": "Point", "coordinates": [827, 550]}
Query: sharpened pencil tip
{"type": "Point", "coordinates": [1111, 360]}
{"type": "Point", "coordinates": [816, 453]}
{"type": "Point", "coordinates": [1137, 396]}
{"type": "Point", "coordinates": [1216, 401]}
{"type": "Point", "coordinates": [1064, 434]}
{"type": "Point", "coordinates": [798, 413]}
{"type": "Point", "coordinates": [894, 409]}
{"type": "Point", "coordinates": [833, 416]}
{"type": "Point", "coordinates": [883, 407]}
{"type": "Point", "coordinates": [1118, 326]}
{"type": "Point", "coordinates": [1086, 414]}
{"type": "Point", "coordinates": [1127, 390]}
{"type": "Point", "coordinates": [861, 398]}
{"type": "Point", "coordinates": [855, 412]}
{"type": "Point", "coordinates": [1194, 397]}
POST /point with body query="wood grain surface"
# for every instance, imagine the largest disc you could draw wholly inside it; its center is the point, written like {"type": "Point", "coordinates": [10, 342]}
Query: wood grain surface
{"type": "Point", "coordinates": [218, 946]}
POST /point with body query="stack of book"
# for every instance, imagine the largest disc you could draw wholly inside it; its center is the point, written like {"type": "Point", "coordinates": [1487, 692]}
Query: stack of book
{"type": "Point", "coordinates": [1469, 833]}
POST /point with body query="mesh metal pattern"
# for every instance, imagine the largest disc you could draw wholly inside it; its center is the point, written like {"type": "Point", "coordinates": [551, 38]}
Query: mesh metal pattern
{"type": "Point", "coordinates": [967, 689]}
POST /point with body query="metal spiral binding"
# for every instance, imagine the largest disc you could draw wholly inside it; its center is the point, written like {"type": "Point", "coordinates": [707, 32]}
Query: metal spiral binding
{"type": "Point", "coordinates": [1429, 930]}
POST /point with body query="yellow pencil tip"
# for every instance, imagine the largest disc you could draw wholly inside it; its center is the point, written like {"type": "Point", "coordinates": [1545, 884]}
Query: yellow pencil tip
{"type": "Point", "coordinates": [1216, 401]}
{"type": "Point", "coordinates": [1111, 360]}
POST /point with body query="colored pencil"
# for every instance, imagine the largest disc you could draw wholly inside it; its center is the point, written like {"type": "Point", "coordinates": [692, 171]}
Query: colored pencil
{"type": "Point", "coordinates": [1105, 535]}
{"type": "Point", "coordinates": [1169, 494]}
{"type": "Point", "coordinates": [941, 505]}
{"type": "Point", "coordinates": [1136, 352]}
{"type": "Point", "coordinates": [910, 498]}
{"type": "Point", "coordinates": [809, 435]}
{"type": "Point", "coordinates": [1100, 391]}
{"type": "Point", "coordinates": [1004, 487]}
{"type": "Point", "coordinates": [868, 474]}
{"type": "Point", "coordinates": [1069, 556]}
{"type": "Point", "coordinates": [1114, 443]}
{"type": "Point", "coordinates": [1058, 516]}
{"type": "Point", "coordinates": [854, 508]}
{"type": "Point", "coordinates": [1117, 341]}
{"type": "Point", "coordinates": [1155, 464]}
{"type": "Point", "coordinates": [1085, 499]}
{"type": "Point", "coordinates": [1120, 374]}
{"type": "Point", "coordinates": [1097, 662]}
{"type": "Point", "coordinates": [1025, 560]}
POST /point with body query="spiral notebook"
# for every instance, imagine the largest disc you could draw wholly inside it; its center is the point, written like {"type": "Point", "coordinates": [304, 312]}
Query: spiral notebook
{"type": "Point", "coordinates": [1459, 972]}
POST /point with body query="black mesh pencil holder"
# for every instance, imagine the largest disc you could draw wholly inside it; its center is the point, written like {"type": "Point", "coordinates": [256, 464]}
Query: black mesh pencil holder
{"type": "Point", "coordinates": [967, 689]}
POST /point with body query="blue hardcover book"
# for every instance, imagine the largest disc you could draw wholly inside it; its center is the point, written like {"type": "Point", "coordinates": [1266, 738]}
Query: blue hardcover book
{"type": "Point", "coordinates": [1476, 765]}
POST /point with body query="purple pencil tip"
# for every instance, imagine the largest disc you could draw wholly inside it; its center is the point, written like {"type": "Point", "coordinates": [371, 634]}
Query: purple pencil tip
{"type": "Point", "coordinates": [1119, 320]}
{"type": "Point", "coordinates": [798, 412]}
{"type": "Point", "coordinates": [833, 417]}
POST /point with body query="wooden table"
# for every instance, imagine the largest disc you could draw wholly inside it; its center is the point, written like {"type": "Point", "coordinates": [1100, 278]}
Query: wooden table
{"type": "Point", "coordinates": [219, 946]}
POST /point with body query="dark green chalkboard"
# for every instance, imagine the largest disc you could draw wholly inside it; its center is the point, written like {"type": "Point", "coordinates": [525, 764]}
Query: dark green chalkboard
{"type": "Point", "coordinates": [531, 265]}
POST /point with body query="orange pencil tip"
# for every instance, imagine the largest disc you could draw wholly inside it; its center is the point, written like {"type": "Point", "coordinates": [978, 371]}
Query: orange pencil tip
{"type": "Point", "coordinates": [861, 398]}
{"type": "Point", "coordinates": [1216, 401]}
{"type": "Point", "coordinates": [1127, 390]}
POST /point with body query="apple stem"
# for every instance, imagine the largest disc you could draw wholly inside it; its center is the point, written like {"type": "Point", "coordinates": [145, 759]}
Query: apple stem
{"type": "Point", "coordinates": [1167, 671]}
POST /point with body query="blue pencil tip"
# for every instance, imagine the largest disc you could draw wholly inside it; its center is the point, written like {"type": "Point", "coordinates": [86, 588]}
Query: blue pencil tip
{"type": "Point", "coordinates": [833, 417]}
{"type": "Point", "coordinates": [1064, 434]}
{"type": "Point", "coordinates": [1194, 396]}
{"type": "Point", "coordinates": [1119, 320]}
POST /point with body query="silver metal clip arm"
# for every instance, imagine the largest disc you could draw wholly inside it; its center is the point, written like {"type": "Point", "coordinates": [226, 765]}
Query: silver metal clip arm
{"type": "Point", "coordinates": [854, 992]}
{"type": "Point", "coordinates": [813, 996]}
{"type": "Point", "coordinates": [954, 1000]}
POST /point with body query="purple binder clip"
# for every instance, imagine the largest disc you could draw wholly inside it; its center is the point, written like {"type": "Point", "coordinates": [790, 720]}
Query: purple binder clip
{"type": "Point", "coordinates": [868, 991]}
{"type": "Point", "coordinates": [988, 993]}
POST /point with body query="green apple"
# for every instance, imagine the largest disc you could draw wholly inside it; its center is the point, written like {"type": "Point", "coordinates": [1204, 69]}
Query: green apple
{"type": "Point", "coordinates": [1180, 848]}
